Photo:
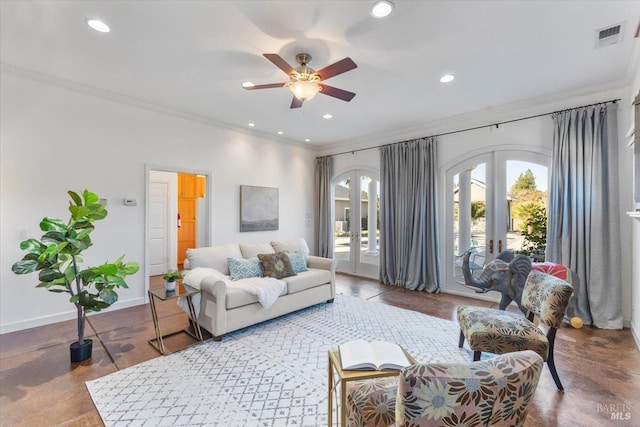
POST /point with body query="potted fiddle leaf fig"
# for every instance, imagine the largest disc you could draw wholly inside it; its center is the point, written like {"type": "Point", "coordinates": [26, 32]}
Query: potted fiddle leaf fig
{"type": "Point", "coordinates": [57, 258]}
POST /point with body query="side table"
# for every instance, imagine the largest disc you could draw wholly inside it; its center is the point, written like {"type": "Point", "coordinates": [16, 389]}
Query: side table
{"type": "Point", "coordinates": [335, 368]}
{"type": "Point", "coordinates": [162, 294]}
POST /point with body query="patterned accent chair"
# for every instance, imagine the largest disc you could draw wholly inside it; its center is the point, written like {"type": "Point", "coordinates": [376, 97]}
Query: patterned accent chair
{"type": "Point", "coordinates": [500, 332]}
{"type": "Point", "coordinates": [494, 392]}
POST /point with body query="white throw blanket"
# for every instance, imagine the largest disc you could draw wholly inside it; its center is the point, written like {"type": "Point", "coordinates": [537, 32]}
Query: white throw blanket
{"type": "Point", "coordinates": [267, 289]}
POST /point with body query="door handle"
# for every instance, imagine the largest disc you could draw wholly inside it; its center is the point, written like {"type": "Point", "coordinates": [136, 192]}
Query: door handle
{"type": "Point", "coordinates": [491, 246]}
{"type": "Point", "coordinates": [499, 245]}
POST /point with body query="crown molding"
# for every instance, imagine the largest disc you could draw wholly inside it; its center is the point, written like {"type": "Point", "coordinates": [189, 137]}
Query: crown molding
{"type": "Point", "coordinates": [139, 103]}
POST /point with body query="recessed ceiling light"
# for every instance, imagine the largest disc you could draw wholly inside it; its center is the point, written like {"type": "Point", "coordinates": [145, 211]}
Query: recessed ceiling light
{"type": "Point", "coordinates": [251, 125]}
{"type": "Point", "coordinates": [248, 84]}
{"type": "Point", "coordinates": [327, 116]}
{"type": "Point", "coordinates": [381, 8]}
{"type": "Point", "coordinates": [98, 25]}
{"type": "Point", "coordinates": [447, 78]}
{"type": "Point", "coordinates": [307, 140]}
{"type": "Point", "coordinates": [280, 132]}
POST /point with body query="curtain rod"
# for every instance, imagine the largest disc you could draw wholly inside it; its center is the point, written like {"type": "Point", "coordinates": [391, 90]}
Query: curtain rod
{"type": "Point", "coordinates": [476, 127]}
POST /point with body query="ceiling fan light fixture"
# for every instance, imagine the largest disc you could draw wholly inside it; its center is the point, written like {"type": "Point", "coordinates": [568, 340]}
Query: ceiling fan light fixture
{"type": "Point", "coordinates": [98, 25]}
{"type": "Point", "coordinates": [247, 84]}
{"type": "Point", "coordinates": [447, 78]}
{"type": "Point", "coordinates": [381, 9]}
{"type": "Point", "coordinates": [304, 90]}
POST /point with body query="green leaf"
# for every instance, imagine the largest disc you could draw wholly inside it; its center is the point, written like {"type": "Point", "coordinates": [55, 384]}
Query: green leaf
{"type": "Point", "coordinates": [59, 291]}
{"type": "Point", "coordinates": [74, 196]}
{"type": "Point", "coordinates": [130, 268]}
{"type": "Point", "coordinates": [54, 236]}
{"type": "Point", "coordinates": [78, 243]}
{"type": "Point", "coordinates": [79, 212]}
{"type": "Point", "coordinates": [106, 269]}
{"type": "Point", "coordinates": [25, 266]}
{"type": "Point", "coordinates": [74, 299]}
{"type": "Point", "coordinates": [84, 225]}
{"type": "Point", "coordinates": [89, 197]}
{"type": "Point", "coordinates": [52, 224]}
{"type": "Point", "coordinates": [116, 281]}
{"type": "Point", "coordinates": [98, 212]}
{"type": "Point", "coordinates": [33, 245]}
{"type": "Point", "coordinates": [48, 275]}
{"type": "Point", "coordinates": [108, 296]}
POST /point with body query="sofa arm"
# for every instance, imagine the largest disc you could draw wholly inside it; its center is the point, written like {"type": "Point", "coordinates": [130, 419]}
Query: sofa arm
{"type": "Point", "coordinates": [213, 308]}
{"type": "Point", "coordinates": [322, 263]}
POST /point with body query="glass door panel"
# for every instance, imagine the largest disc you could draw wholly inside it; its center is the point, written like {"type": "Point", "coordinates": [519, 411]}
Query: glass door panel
{"type": "Point", "coordinates": [342, 228]}
{"type": "Point", "coordinates": [470, 218]}
{"type": "Point", "coordinates": [356, 235]}
{"type": "Point", "coordinates": [526, 207]}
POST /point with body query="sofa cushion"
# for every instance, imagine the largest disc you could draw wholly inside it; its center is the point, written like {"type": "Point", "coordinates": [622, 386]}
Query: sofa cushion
{"type": "Point", "coordinates": [298, 263]}
{"type": "Point", "coordinates": [252, 251]}
{"type": "Point", "coordinates": [213, 257]}
{"type": "Point", "coordinates": [238, 298]}
{"type": "Point", "coordinates": [307, 280]}
{"type": "Point", "coordinates": [292, 246]}
{"type": "Point", "coordinates": [240, 268]}
{"type": "Point", "coordinates": [276, 265]}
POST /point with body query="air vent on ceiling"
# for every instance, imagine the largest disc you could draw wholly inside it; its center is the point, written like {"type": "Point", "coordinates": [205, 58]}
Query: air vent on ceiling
{"type": "Point", "coordinates": [609, 35]}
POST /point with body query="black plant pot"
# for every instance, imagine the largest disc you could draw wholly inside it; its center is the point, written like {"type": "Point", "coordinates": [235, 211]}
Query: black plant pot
{"type": "Point", "coordinates": [81, 352]}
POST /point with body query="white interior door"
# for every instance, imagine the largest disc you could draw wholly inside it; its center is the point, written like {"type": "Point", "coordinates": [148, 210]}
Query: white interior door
{"type": "Point", "coordinates": [356, 214]}
{"type": "Point", "coordinates": [158, 228]}
{"type": "Point", "coordinates": [490, 201]}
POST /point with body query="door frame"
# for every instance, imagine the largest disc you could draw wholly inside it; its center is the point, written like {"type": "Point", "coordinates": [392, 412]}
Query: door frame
{"type": "Point", "coordinates": [209, 210]}
{"type": "Point", "coordinates": [354, 173]}
{"type": "Point", "coordinates": [492, 156]}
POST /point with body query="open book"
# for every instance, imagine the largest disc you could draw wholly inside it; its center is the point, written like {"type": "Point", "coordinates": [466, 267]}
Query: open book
{"type": "Point", "coordinates": [375, 355]}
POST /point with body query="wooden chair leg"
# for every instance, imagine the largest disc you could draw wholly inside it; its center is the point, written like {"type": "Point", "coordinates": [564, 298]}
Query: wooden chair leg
{"type": "Point", "coordinates": [476, 355]}
{"type": "Point", "coordinates": [551, 336]}
{"type": "Point", "coordinates": [461, 340]}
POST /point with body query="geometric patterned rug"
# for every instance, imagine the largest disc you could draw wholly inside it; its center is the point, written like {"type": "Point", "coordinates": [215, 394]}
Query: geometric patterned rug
{"type": "Point", "coordinates": [270, 374]}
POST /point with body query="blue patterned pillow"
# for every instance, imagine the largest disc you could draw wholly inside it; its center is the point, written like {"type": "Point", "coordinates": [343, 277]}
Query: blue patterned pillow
{"type": "Point", "coordinates": [244, 268]}
{"type": "Point", "coordinates": [297, 261]}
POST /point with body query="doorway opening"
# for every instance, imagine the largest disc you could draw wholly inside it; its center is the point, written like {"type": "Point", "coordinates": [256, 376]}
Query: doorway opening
{"type": "Point", "coordinates": [178, 216]}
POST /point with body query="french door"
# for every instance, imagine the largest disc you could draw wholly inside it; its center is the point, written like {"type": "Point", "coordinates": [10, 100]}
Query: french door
{"type": "Point", "coordinates": [491, 199]}
{"type": "Point", "coordinates": [356, 201]}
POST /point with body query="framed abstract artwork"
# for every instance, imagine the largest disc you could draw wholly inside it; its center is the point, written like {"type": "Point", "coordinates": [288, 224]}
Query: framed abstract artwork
{"type": "Point", "coordinates": [258, 208]}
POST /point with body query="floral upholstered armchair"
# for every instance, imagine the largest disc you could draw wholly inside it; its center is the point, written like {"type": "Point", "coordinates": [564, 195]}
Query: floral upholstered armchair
{"type": "Point", "coordinates": [494, 392]}
{"type": "Point", "coordinates": [496, 331]}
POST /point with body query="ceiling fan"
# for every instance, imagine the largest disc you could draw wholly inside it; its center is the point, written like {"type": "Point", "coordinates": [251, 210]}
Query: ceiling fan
{"type": "Point", "coordinates": [305, 82]}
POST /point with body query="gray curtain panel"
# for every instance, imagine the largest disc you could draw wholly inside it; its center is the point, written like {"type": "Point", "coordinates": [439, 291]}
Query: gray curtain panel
{"type": "Point", "coordinates": [323, 228]}
{"type": "Point", "coordinates": [408, 215]}
{"type": "Point", "coordinates": [584, 223]}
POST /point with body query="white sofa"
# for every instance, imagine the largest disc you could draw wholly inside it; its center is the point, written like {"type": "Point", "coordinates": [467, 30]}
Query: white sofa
{"type": "Point", "coordinates": [225, 309]}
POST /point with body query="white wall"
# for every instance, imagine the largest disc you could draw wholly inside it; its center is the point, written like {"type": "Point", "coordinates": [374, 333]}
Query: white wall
{"type": "Point", "coordinates": [635, 253]}
{"type": "Point", "coordinates": [54, 139]}
{"type": "Point", "coordinates": [533, 134]}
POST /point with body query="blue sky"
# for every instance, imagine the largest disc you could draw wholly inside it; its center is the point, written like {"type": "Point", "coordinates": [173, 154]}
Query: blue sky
{"type": "Point", "coordinates": [514, 169]}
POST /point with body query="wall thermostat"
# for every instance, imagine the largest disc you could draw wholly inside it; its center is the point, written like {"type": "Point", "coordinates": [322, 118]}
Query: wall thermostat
{"type": "Point", "coordinates": [130, 202]}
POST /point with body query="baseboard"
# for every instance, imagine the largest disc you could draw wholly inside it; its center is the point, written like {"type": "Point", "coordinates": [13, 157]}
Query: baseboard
{"type": "Point", "coordinates": [636, 336]}
{"type": "Point", "coordinates": [480, 296]}
{"type": "Point", "coordinates": [61, 317]}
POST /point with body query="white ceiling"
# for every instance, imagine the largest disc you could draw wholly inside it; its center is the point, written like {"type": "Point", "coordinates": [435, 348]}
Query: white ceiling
{"type": "Point", "coordinates": [192, 56]}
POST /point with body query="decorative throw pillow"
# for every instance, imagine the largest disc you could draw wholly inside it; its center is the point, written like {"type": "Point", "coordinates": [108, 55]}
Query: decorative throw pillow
{"type": "Point", "coordinates": [292, 246]}
{"type": "Point", "coordinates": [297, 261]}
{"type": "Point", "coordinates": [244, 268]}
{"type": "Point", "coordinates": [276, 265]}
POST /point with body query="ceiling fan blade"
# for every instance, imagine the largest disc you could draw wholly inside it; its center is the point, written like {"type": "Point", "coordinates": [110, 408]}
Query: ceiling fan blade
{"type": "Point", "coordinates": [336, 68]}
{"type": "Point", "coordinates": [344, 95]}
{"type": "Point", "coordinates": [296, 103]}
{"type": "Point", "coordinates": [279, 62]}
{"type": "Point", "coordinates": [269, 86]}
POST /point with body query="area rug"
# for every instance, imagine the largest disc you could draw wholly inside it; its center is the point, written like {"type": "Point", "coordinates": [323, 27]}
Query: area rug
{"type": "Point", "coordinates": [271, 374]}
